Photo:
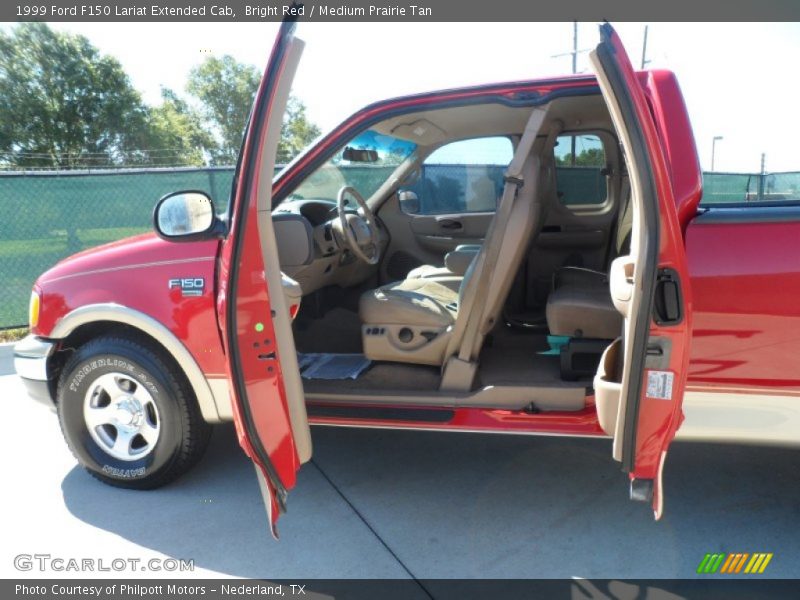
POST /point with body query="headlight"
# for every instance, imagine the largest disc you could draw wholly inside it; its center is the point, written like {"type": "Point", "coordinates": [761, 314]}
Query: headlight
{"type": "Point", "coordinates": [33, 309]}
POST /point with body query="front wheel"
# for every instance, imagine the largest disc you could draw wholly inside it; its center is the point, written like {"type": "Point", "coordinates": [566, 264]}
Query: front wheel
{"type": "Point", "coordinates": [129, 419]}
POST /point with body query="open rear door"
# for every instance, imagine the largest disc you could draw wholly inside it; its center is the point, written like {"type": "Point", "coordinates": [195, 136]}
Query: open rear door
{"type": "Point", "coordinates": [640, 381]}
{"type": "Point", "coordinates": [267, 396]}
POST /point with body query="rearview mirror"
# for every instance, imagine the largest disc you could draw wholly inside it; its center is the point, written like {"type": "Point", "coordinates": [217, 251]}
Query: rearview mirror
{"type": "Point", "coordinates": [185, 216]}
{"type": "Point", "coordinates": [360, 155]}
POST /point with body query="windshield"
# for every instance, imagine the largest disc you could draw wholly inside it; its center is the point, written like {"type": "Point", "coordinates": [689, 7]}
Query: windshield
{"type": "Point", "coordinates": [365, 162]}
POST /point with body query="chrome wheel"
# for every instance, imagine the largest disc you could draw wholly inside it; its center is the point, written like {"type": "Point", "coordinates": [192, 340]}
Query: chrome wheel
{"type": "Point", "coordinates": [121, 416]}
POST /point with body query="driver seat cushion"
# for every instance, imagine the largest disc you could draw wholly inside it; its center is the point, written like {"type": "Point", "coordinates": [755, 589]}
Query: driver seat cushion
{"type": "Point", "coordinates": [417, 302]}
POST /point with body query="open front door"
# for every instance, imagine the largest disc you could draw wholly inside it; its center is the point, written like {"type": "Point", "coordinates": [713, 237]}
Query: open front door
{"type": "Point", "coordinates": [640, 381]}
{"type": "Point", "coordinates": [267, 394]}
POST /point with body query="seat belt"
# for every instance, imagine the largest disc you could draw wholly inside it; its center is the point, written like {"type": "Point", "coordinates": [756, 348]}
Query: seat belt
{"type": "Point", "coordinates": [513, 182]}
{"type": "Point", "coordinates": [625, 199]}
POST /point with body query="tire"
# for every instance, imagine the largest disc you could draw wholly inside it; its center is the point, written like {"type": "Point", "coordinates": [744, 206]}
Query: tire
{"type": "Point", "coordinates": [129, 419]}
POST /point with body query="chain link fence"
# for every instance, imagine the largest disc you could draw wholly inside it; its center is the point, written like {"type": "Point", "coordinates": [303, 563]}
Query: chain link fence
{"type": "Point", "coordinates": [727, 188]}
{"type": "Point", "coordinates": [47, 216]}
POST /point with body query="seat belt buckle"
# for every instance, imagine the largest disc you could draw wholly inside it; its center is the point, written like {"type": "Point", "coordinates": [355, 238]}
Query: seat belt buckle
{"type": "Point", "coordinates": [517, 181]}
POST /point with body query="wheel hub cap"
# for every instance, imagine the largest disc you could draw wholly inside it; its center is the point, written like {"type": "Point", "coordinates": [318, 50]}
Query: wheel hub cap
{"type": "Point", "coordinates": [121, 416]}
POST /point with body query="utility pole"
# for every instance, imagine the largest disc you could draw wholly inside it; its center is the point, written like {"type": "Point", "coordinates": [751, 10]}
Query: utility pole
{"type": "Point", "coordinates": [574, 54]}
{"type": "Point", "coordinates": [574, 47]}
{"type": "Point", "coordinates": [574, 71]}
{"type": "Point", "coordinates": [761, 176]}
{"type": "Point", "coordinates": [644, 51]}
{"type": "Point", "coordinates": [714, 141]}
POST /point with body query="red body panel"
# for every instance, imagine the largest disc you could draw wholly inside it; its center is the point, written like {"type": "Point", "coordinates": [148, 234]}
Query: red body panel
{"type": "Point", "coordinates": [746, 279]}
{"type": "Point", "coordinates": [675, 131]}
{"type": "Point", "coordinates": [260, 410]}
{"type": "Point", "coordinates": [658, 418]}
{"type": "Point", "coordinates": [580, 423]}
{"type": "Point", "coordinates": [135, 273]}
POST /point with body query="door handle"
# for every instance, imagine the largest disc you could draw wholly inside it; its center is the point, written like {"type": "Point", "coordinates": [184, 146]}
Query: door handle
{"type": "Point", "coordinates": [451, 224]}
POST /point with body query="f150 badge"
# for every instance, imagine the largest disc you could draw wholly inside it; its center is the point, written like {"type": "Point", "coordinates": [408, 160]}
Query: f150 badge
{"type": "Point", "coordinates": [189, 286]}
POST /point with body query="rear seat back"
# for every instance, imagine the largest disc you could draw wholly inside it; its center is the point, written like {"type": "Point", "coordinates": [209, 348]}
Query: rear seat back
{"type": "Point", "coordinates": [580, 304]}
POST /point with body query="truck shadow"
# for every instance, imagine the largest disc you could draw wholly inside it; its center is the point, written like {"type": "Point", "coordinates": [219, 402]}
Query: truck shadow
{"type": "Point", "coordinates": [460, 505]}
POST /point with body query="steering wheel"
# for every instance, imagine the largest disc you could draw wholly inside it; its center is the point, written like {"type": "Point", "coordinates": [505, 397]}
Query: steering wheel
{"type": "Point", "coordinates": [360, 229]}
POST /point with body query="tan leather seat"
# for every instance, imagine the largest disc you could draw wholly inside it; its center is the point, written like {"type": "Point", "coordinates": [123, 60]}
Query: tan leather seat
{"type": "Point", "coordinates": [580, 304]}
{"type": "Point", "coordinates": [456, 264]}
{"type": "Point", "coordinates": [583, 309]}
{"type": "Point", "coordinates": [414, 320]}
{"type": "Point", "coordinates": [419, 302]}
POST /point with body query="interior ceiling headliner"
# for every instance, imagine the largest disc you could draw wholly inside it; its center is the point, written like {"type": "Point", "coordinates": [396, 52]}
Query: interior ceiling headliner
{"type": "Point", "coordinates": [477, 120]}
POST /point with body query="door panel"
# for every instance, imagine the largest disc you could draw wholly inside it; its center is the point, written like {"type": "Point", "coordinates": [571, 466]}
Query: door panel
{"type": "Point", "coordinates": [268, 413]}
{"type": "Point", "coordinates": [442, 233]}
{"type": "Point", "coordinates": [425, 239]}
{"type": "Point", "coordinates": [651, 365]}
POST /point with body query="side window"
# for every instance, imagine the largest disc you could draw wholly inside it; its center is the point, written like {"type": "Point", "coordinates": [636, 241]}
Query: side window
{"type": "Point", "coordinates": [580, 170]}
{"type": "Point", "coordinates": [464, 176]}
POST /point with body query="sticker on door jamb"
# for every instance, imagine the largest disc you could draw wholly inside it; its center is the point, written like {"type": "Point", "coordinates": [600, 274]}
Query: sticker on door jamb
{"type": "Point", "coordinates": [659, 384]}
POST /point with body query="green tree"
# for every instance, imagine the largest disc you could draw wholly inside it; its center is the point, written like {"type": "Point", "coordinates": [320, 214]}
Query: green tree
{"type": "Point", "coordinates": [226, 88]}
{"type": "Point", "coordinates": [297, 131]}
{"type": "Point", "coordinates": [593, 157]}
{"type": "Point", "coordinates": [62, 103]}
{"type": "Point", "coordinates": [175, 135]}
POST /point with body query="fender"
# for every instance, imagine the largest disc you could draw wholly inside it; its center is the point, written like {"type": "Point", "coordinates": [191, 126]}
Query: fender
{"type": "Point", "coordinates": [212, 395]}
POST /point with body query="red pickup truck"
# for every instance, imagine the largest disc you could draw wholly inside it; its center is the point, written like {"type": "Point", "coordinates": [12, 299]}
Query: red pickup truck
{"type": "Point", "coordinates": [521, 258]}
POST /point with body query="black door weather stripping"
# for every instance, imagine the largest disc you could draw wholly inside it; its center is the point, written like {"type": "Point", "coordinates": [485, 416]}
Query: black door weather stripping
{"type": "Point", "coordinates": [649, 198]}
{"type": "Point", "coordinates": [245, 179]}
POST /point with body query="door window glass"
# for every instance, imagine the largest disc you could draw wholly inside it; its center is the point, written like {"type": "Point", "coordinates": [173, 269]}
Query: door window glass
{"type": "Point", "coordinates": [463, 177]}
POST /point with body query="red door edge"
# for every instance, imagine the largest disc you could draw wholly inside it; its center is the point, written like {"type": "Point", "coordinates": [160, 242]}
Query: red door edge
{"type": "Point", "coordinates": [650, 422]}
{"type": "Point", "coordinates": [276, 466]}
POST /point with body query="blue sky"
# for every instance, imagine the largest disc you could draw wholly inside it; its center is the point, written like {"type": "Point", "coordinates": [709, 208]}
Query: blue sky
{"type": "Point", "coordinates": [739, 79]}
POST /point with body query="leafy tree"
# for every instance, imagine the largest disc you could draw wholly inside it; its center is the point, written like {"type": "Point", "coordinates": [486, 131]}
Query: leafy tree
{"type": "Point", "coordinates": [296, 132]}
{"type": "Point", "coordinates": [226, 88]}
{"type": "Point", "coordinates": [592, 157]}
{"type": "Point", "coordinates": [175, 135]}
{"type": "Point", "coordinates": [62, 103]}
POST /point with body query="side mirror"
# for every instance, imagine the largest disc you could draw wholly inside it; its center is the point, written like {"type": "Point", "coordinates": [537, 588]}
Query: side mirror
{"type": "Point", "coordinates": [186, 216]}
{"type": "Point", "coordinates": [409, 202]}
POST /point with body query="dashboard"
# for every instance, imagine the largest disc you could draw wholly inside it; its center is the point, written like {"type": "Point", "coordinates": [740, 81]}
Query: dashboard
{"type": "Point", "coordinates": [312, 248]}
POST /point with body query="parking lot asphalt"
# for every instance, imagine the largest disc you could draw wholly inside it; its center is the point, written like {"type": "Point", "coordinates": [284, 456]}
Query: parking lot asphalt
{"type": "Point", "coordinates": [393, 504]}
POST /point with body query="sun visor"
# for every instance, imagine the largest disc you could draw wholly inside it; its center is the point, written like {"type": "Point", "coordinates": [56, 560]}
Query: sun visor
{"type": "Point", "coordinates": [422, 132]}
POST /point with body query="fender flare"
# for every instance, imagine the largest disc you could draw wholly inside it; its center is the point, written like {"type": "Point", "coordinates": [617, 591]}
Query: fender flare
{"type": "Point", "coordinates": [209, 402]}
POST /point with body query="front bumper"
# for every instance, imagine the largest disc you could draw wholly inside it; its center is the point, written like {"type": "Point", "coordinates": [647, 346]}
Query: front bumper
{"type": "Point", "coordinates": [30, 361]}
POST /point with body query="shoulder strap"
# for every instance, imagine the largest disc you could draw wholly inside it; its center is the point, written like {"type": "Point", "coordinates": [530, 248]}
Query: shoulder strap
{"type": "Point", "coordinates": [491, 252]}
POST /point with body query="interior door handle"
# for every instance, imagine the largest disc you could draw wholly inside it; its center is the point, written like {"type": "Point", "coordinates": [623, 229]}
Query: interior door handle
{"type": "Point", "coordinates": [450, 224]}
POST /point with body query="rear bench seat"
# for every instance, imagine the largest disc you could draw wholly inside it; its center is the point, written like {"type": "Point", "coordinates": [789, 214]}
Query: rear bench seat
{"type": "Point", "coordinates": [580, 305]}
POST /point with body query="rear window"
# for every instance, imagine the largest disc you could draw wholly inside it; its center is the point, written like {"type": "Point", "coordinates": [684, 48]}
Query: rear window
{"type": "Point", "coordinates": [580, 170]}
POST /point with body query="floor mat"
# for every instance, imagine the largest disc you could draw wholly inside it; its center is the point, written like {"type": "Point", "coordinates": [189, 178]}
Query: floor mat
{"type": "Point", "coordinates": [332, 366]}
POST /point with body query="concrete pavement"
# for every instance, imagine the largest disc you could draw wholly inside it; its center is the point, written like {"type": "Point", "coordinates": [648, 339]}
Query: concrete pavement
{"type": "Point", "coordinates": [389, 504]}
